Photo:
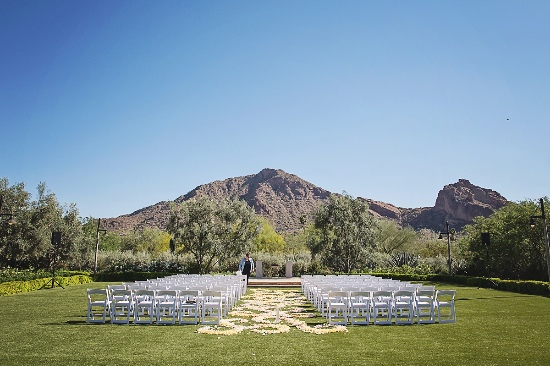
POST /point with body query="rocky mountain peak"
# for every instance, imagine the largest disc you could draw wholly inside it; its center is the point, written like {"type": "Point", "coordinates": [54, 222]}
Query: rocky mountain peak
{"type": "Point", "coordinates": [464, 201]}
{"type": "Point", "coordinates": [284, 198]}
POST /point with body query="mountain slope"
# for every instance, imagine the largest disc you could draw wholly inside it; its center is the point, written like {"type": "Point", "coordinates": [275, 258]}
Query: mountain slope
{"type": "Point", "coordinates": [284, 198]}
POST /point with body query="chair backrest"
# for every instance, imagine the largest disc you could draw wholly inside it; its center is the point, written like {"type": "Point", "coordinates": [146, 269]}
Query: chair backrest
{"type": "Point", "coordinates": [144, 295]}
{"type": "Point", "coordinates": [188, 295]}
{"type": "Point", "coordinates": [116, 287]}
{"type": "Point", "coordinates": [370, 289]}
{"type": "Point", "coordinates": [383, 295]}
{"type": "Point", "coordinates": [121, 295]}
{"type": "Point", "coordinates": [425, 297]}
{"type": "Point", "coordinates": [166, 295]}
{"type": "Point", "coordinates": [425, 288]}
{"type": "Point", "coordinates": [404, 295]}
{"type": "Point", "coordinates": [445, 295]}
{"type": "Point", "coordinates": [212, 296]}
{"type": "Point", "coordinates": [360, 296]}
{"type": "Point", "coordinates": [338, 295]}
{"type": "Point", "coordinates": [97, 294]}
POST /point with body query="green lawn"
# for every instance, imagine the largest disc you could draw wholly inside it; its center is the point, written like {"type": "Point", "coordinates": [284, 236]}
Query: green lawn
{"type": "Point", "coordinates": [49, 327]}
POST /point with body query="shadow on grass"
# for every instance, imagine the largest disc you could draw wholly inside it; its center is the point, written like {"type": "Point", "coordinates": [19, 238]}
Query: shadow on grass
{"type": "Point", "coordinates": [492, 297]}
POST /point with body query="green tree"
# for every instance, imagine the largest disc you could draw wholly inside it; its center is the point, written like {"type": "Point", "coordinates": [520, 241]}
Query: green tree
{"type": "Point", "coordinates": [28, 244]}
{"type": "Point", "coordinates": [391, 238]}
{"type": "Point", "coordinates": [213, 232]}
{"type": "Point", "coordinates": [147, 240]}
{"type": "Point", "coordinates": [297, 243]}
{"type": "Point", "coordinates": [16, 200]}
{"type": "Point", "coordinates": [347, 233]}
{"type": "Point", "coordinates": [268, 240]}
{"type": "Point", "coordinates": [516, 250]}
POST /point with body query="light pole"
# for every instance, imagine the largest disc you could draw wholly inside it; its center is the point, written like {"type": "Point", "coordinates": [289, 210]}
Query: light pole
{"type": "Point", "coordinates": [532, 223]}
{"type": "Point", "coordinates": [449, 233]}
{"type": "Point", "coordinates": [97, 243]}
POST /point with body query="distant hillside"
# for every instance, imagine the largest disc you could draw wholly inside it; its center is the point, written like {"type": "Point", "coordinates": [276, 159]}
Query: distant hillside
{"type": "Point", "coordinates": [283, 198]}
{"type": "Point", "coordinates": [456, 203]}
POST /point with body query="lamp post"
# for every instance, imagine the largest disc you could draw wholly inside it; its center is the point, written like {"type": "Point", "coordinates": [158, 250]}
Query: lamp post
{"type": "Point", "coordinates": [97, 243]}
{"type": "Point", "coordinates": [11, 221]}
{"type": "Point", "coordinates": [449, 233]}
{"type": "Point", "coordinates": [532, 223]}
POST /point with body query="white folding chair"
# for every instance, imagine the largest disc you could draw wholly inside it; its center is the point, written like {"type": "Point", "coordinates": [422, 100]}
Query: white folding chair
{"type": "Point", "coordinates": [424, 306]}
{"type": "Point", "coordinates": [382, 302]}
{"type": "Point", "coordinates": [445, 304]}
{"type": "Point", "coordinates": [211, 307]}
{"type": "Point", "coordinates": [403, 307]}
{"type": "Point", "coordinates": [121, 306]}
{"type": "Point", "coordinates": [360, 307]}
{"type": "Point", "coordinates": [323, 301]}
{"type": "Point", "coordinates": [144, 306]}
{"type": "Point", "coordinates": [166, 306]}
{"type": "Point", "coordinates": [111, 288]}
{"type": "Point", "coordinates": [99, 305]}
{"type": "Point", "coordinates": [188, 307]}
{"type": "Point", "coordinates": [225, 296]}
{"type": "Point", "coordinates": [337, 307]}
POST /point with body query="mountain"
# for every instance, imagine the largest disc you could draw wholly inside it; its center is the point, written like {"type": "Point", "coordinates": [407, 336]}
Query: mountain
{"type": "Point", "coordinates": [456, 203]}
{"type": "Point", "coordinates": [284, 198]}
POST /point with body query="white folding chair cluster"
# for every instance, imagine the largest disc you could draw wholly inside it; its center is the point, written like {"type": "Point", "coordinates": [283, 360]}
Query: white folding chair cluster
{"type": "Point", "coordinates": [182, 299]}
{"type": "Point", "coordinates": [372, 300]}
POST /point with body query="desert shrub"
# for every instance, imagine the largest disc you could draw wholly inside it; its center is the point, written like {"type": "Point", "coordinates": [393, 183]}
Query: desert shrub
{"type": "Point", "coordinates": [15, 287]}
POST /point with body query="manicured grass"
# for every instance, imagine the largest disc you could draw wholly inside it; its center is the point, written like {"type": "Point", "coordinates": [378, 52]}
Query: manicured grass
{"type": "Point", "coordinates": [49, 327]}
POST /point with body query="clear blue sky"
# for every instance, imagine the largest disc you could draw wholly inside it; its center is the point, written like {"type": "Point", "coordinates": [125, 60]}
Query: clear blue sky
{"type": "Point", "coordinates": [117, 105]}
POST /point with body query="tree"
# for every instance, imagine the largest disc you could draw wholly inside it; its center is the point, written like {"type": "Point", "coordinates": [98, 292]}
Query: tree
{"type": "Point", "coordinates": [391, 238]}
{"type": "Point", "coordinates": [147, 240]}
{"type": "Point", "coordinates": [28, 244]}
{"type": "Point", "coordinates": [16, 200]}
{"type": "Point", "coordinates": [268, 240]}
{"type": "Point", "coordinates": [516, 250]}
{"type": "Point", "coordinates": [347, 233]}
{"type": "Point", "coordinates": [213, 232]}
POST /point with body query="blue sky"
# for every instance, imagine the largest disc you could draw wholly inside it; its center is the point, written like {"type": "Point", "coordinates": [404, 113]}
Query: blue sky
{"type": "Point", "coordinates": [117, 105]}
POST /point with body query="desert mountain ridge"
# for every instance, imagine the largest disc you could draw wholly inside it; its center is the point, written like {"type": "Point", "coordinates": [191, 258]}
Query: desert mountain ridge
{"type": "Point", "coordinates": [284, 198]}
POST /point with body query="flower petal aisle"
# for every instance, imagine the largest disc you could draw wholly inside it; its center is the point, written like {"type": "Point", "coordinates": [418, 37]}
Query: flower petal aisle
{"type": "Point", "coordinates": [270, 311]}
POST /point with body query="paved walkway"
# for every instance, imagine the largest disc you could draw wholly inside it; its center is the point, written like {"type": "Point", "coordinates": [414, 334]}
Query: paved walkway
{"type": "Point", "coordinates": [274, 282]}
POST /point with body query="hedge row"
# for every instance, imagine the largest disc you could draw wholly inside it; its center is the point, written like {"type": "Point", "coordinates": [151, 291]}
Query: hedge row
{"type": "Point", "coordinates": [16, 287]}
{"type": "Point", "coordinates": [524, 287]}
{"type": "Point", "coordinates": [128, 276]}
{"type": "Point", "coordinates": [539, 288]}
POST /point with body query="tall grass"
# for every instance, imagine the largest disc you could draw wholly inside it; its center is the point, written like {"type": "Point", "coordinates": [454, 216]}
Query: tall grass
{"type": "Point", "coordinates": [49, 327]}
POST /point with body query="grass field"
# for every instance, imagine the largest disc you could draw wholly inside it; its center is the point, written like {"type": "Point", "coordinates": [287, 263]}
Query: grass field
{"type": "Point", "coordinates": [49, 327]}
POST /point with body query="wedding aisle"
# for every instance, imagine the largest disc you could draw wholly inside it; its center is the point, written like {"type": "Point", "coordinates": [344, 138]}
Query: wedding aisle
{"type": "Point", "coordinates": [270, 311]}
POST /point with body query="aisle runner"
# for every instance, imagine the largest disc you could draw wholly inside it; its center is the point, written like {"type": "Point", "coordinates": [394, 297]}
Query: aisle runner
{"type": "Point", "coordinates": [270, 311]}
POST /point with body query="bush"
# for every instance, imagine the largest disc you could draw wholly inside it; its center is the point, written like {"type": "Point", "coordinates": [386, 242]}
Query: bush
{"type": "Point", "coordinates": [128, 276]}
{"type": "Point", "coordinates": [15, 287]}
{"type": "Point", "coordinates": [128, 261]}
{"type": "Point", "coordinates": [13, 274]}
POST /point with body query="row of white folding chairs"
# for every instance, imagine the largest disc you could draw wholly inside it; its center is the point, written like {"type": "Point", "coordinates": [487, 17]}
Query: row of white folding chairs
{"type": "Point", "coordinates": [384, 307]}
{"type": "Point", "coordinates": [317, 294]}
{"type": "Point", "coordinates": [344, 280]}
{"type": "Point", "coordinates": [232, 287]}
{"type": "Point", "coordinates": [313, 284]}
{"type": "Point", "coordinates": [321, 293]}
{"type": "Point", "coordinates": [143, 306]}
